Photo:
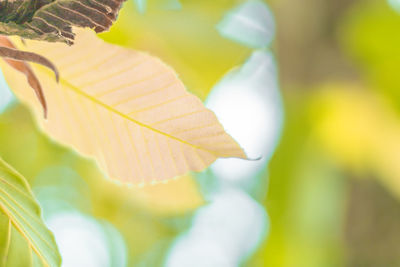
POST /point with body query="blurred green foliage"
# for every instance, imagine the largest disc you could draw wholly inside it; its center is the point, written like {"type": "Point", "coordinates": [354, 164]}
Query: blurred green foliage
{"type": "Point", "coordinates": [369, 36]}
{"type": "Point", "coordinates": [339, 127]}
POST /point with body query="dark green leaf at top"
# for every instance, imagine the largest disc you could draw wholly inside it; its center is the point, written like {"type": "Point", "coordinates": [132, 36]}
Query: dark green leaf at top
{"type": "Point", "coordinates": [53, 20]}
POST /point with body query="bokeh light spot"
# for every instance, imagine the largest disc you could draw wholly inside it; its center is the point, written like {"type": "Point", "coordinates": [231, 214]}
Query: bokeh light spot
{"type": "Point", "coordinates": [247, 102]}
{"type": "Point", "coordinates": [224, 232]}
{"type": "Point", "coordinates": [251, 24]}
{"type": "Point", "coordinates": [84, 242]}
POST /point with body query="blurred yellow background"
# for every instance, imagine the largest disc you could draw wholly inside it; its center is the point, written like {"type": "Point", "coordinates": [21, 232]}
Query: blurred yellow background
{"type": "Point", "coordinates": [327, 193]}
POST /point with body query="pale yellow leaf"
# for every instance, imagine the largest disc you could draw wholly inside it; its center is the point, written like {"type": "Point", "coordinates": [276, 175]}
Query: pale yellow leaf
{"type": "Point", "coordinates": [177, 197]}
{"type": "Point", "coordinates": [125, 108]}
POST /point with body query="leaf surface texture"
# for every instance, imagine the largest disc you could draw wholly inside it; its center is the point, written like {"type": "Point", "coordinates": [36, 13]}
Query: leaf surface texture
{"type": "Point", "coordinates": [127, 109]}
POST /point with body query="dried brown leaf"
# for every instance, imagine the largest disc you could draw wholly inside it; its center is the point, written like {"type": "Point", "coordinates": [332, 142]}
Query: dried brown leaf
{"type": "Point", "coordinates": [17, 59]}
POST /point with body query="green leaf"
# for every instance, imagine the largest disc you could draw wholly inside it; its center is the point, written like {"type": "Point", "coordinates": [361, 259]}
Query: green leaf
{"type": "Point", "coordinates": [24, 238]}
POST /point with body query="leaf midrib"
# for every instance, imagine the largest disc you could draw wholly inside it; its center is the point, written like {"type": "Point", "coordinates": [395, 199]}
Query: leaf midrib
{"type": "Point", "coordinates": [111, 109]}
